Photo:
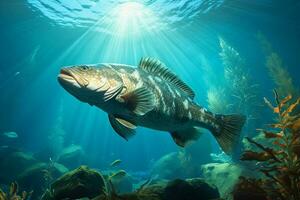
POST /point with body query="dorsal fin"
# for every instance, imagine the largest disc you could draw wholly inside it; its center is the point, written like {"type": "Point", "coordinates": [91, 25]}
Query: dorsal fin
{"type": "Point", "coordinates": [159, 69]}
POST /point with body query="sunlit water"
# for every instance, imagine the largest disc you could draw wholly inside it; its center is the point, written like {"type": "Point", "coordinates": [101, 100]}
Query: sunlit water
{"type": "Point", "coordinates": [39, 37]}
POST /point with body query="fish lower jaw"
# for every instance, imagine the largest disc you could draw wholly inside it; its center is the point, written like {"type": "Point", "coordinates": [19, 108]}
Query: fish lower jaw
{"type": "Point", "coordinates": [65, 76]}
{"type": "Point", "coordinates": [67, 81]}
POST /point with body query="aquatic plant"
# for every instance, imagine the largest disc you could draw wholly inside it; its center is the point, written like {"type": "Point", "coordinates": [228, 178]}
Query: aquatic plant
{"type": "Point", "coordinates": [13, 193]}
{"type": "Point", "coordinates": [239, 93]}
{"type": "Point", "coordinates": [277, 71]}
{"type": "Point", "coordinates": [241, 90]}
{"type": "Point", "coordinates": [216, 99]}
{"type": "Point", "coordinates": [280, 75]}
{"type": "Point", "coordinates": [280, 163]}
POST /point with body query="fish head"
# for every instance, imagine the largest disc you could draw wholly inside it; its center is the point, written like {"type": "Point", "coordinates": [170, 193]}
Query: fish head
{"type": "Point", "coordinates": [93, 84]}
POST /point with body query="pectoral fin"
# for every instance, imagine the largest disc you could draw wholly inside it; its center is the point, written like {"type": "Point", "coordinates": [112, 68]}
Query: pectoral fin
{"type": "Point", "coordinates": [112, 92]}
{"type": "Point", "coordinates": [182, 137]}
{"type": "Point", "coordinates": [140, 101]}
{"type": "Point", "coordinates": [124, 128]}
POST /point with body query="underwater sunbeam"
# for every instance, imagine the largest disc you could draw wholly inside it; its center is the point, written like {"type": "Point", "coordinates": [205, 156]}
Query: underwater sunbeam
{"type": "Point", "coordinates": [130, 9]}
{"type": "Point", "coordinates": [131, 18]}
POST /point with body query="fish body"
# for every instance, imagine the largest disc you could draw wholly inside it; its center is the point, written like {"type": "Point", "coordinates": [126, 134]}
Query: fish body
{"type": "Point", "coordinates": [149, 95]}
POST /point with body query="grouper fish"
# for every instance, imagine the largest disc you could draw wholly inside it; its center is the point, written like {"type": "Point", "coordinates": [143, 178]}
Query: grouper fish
{"type": "Point", "coordinates": [149, 95]}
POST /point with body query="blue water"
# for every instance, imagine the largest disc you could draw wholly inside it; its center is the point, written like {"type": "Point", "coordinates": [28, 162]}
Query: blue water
{"type": "Point", "coordinates": [38, 37]}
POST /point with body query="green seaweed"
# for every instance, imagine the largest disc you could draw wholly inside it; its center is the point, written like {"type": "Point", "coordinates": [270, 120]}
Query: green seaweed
{"type": "Point", "coordinates": [239, 92]}
{"type": "Point", "coordinates": [277, 71]}
{"type": "Point", "coordinates": [279, 162]}
{"type": "Point", "coordinates": [239, 83]}
{"type": "Point", "coordinates": [217, 101]}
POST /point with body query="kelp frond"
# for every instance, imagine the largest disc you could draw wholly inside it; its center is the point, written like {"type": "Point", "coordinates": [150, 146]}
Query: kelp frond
{"type": "Point", "coordinates": [280, 163]}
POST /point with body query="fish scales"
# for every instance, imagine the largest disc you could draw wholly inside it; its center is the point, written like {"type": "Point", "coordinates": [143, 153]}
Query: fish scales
{"type": "Point", "coordinates": [151, 96]}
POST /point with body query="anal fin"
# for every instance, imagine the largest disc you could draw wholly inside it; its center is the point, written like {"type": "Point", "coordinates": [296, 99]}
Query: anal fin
{"type": "Point", "coordinates": [183, 137]}
{"type": "Point", "coordinates": [123, 128]}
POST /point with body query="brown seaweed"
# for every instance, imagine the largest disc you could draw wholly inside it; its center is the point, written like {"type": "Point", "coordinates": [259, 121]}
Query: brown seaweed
{"type": "Point", "coordinates": [13, 193]}
{"type": "Point", "coordinates": [280, 163]}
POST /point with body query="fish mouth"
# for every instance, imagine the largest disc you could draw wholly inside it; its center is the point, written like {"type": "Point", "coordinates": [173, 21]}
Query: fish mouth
{"type": "Point", "coordinates": [67, 77]}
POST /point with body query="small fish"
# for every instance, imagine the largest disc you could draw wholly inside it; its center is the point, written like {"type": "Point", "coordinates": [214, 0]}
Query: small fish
{"type": "Point", "coordinates": [151, 96]}
{"type": "Point", "coordinates": [17, 73]}
{"type": "Point", "coordinates": [115, 163]}
{"type": "Point", "coordinates": [118, 175]}
{"type": "Point", "coordinates": [11, 135]}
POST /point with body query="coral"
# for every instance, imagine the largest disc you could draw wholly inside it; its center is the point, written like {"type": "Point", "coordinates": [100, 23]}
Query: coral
{"type": "Point", "coordinates": [280, 163]}
{"type": "Point", "coordinates": [13, 193]}
{"type": "Point", "coordinates": [277, 71]}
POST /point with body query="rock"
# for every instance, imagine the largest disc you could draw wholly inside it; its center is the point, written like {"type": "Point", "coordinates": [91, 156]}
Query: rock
{"type": "Point", "coordinates": [38, 177]}
{"type": "Point", "coordinates": [190, 189]}
{"type": "Point", "coordinates": [13, 162]}
{"type": "Point", "coordinates": [72, 156]}
{"type": "Point", "coordinates": [178, 189]}
{"type": "Point", "coordinates": [79, 183]}
{"type": "Point", "coordinates": [176, 165]}
{"type": "Point", "coordinates": [225, 176]}
{"type": "Point", "coordinates": [168, 166]}
{"type": "Point", "coordinates": [124, 185]}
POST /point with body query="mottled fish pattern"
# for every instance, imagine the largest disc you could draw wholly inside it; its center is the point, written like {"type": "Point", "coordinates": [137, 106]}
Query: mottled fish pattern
{"type": "Point", "coordinates": [149, 95]}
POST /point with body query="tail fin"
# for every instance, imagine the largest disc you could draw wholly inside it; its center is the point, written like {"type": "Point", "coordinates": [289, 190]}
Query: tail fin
{"type": "Point", "coordinates": [229, 130]}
